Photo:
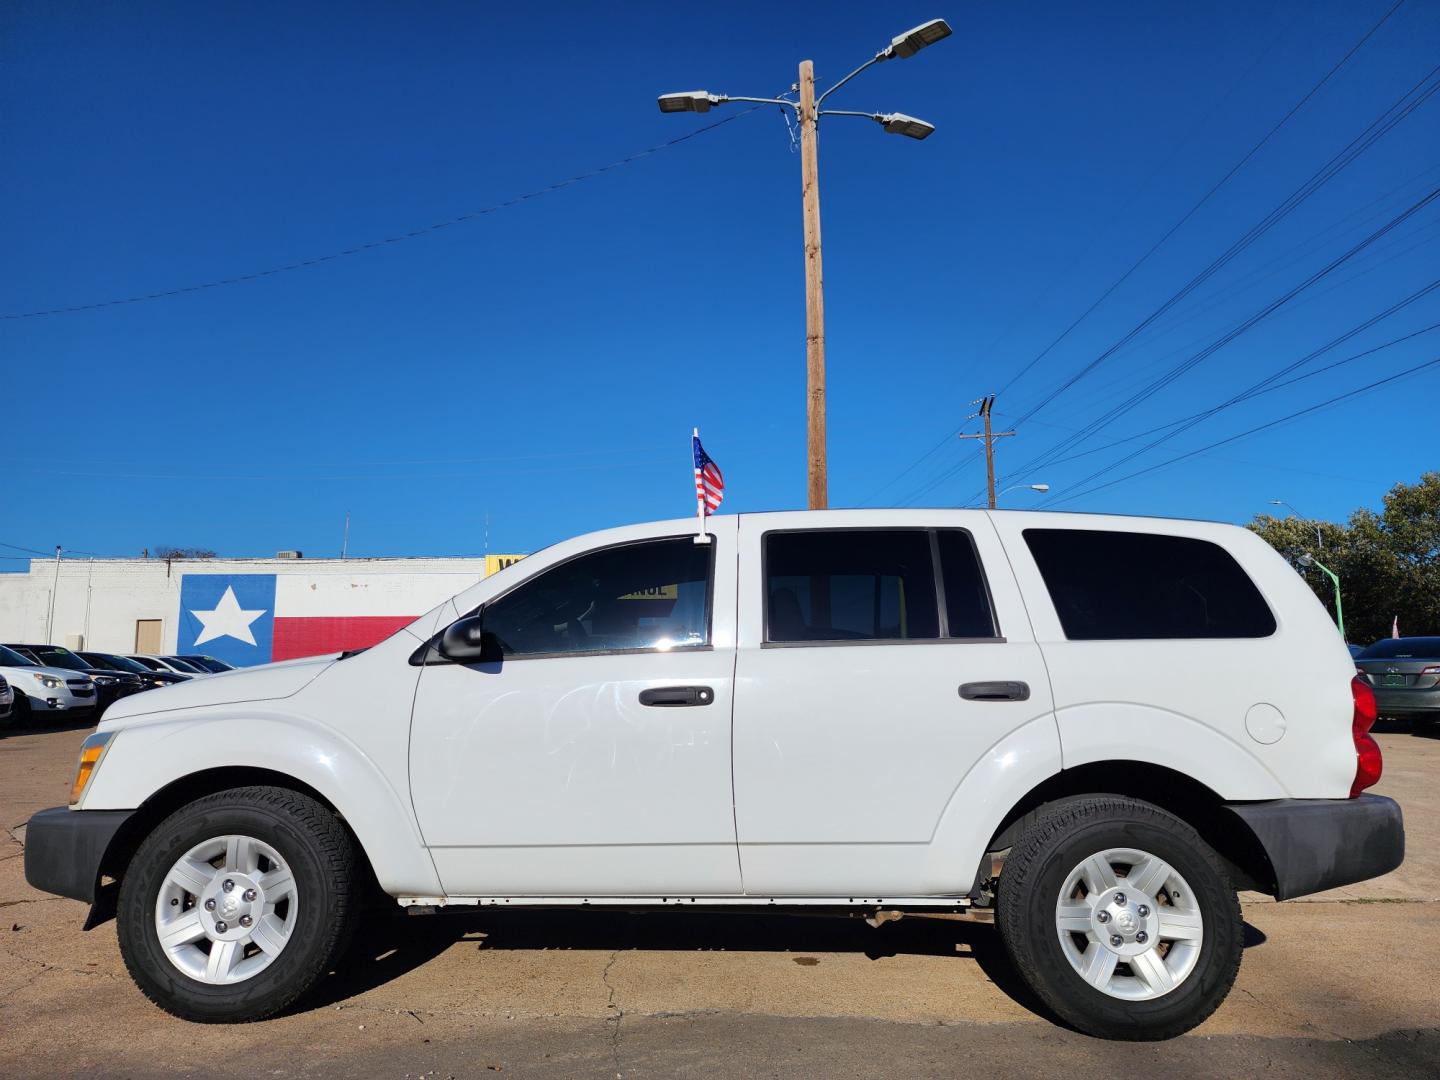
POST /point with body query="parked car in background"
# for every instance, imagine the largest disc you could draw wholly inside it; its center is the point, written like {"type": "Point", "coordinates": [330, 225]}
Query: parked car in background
{"type": "Point", "coordinates": [1098, 728]}
{"type": "Point", "coordinates": [152, 679]}
{"type": "Point", "coordinates": [45, 691]}
{"type": "Point", "coordinates": [1405, 675]}
{"type": "Point", "coordinates": [7, 701]}
{"type": "Point", "coordinates": [1355, 650]}
{"type": "Point", "coordinates": [110, 686]}
{"type": "Point", "coordinates": [184, 663]}
{"type": "Point", "coordinates": [159, 663]}
{"type": "Point", "coordinates": [209, 663]}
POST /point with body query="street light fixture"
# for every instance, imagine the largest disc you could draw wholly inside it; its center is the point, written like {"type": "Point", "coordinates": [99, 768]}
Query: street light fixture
{"type": "Point", "coordinates": [807, 114]}
{"type": "Point", "coordinates": [912, 41]}
{"type": "Point", "coordinates": [1319, 540]}
{"type": "Point", "coordinates": [1041, 488]}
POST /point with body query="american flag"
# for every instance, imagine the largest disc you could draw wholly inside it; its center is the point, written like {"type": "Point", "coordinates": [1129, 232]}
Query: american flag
{"type": "Point", "coordinates": [709, 484]}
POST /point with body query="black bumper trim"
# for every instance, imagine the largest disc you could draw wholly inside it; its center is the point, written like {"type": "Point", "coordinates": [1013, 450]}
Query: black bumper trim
{"type": "Point", "coordinates": [1319, 844]}
{"type": "Point", "coordinates": [64, 849]}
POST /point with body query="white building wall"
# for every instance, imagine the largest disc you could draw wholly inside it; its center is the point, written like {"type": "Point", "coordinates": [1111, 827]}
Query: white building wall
{"type": "Point", "coordinates": [98, 602]}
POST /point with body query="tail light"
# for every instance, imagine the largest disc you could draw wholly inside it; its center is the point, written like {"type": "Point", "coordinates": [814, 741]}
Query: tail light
{"type": "Point", "coordinates": [1368, 762]}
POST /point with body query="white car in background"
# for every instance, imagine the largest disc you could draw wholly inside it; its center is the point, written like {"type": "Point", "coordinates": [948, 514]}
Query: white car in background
{"type": "Point", "coordinates": [42, 691]}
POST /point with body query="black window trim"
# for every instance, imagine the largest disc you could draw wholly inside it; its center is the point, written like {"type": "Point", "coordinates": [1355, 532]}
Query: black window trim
{"type": "Point", "coordinates": [937, 576]}
{"type": "Point", "coordinates": [428, 654]}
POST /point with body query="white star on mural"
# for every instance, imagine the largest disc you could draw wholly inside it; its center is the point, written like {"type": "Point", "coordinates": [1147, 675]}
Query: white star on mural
{"type": "Point", "coordinates": [228, 619]}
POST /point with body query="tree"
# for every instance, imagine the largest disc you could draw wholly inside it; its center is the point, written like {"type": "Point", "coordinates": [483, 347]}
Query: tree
{"type": "Point", "coordinates": [1388, 562]}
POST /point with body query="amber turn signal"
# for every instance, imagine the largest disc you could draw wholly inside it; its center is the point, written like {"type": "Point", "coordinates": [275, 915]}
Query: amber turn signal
{"type": "Point", "coordinates": [91, 751]}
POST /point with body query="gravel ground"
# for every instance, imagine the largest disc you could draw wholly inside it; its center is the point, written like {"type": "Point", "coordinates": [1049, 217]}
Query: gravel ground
{"type": "Point", "coordinates": [1330, 986]}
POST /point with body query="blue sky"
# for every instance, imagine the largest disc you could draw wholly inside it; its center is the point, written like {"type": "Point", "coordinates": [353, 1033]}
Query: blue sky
{"type": "Point", "coordinates": [544, 364]}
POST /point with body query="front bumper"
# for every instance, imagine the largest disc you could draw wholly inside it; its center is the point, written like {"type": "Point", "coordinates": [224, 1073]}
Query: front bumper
{"type": "Point", "coordinates": [64, 849]}
{"type": "Point", "coordinates": [1318, 844]}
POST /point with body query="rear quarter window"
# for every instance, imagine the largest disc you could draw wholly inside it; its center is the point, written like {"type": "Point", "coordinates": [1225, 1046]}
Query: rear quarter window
{"type": "Point", "coordinates": [1112, 586]}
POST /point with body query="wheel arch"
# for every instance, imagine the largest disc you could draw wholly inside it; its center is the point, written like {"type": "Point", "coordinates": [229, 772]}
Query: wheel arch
{"type": "Point", "coordinates": [1182, 795]}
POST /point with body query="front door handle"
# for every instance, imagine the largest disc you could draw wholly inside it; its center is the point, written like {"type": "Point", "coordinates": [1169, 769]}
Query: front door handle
{"type": "Point", "coordinates": [675, 696]}
{"type": "Point", "coordinates": [995, 691]}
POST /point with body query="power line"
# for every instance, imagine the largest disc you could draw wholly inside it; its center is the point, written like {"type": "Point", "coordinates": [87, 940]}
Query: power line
{"type": "Point", "coordinates": [1164, 380]}
{"type": "Point", "coordinates": [1375, 131]}
{"type": "Point", "coordinates": [1261, 427]}
{"type": "Point", "coordinates": [1207, 196]}
{"type": "Point", "coordinates": [1233, 170]}
{"type": "Point", "coordinates": [1259, 387]}
{"type": "Point", "coordinates": [373, 244]}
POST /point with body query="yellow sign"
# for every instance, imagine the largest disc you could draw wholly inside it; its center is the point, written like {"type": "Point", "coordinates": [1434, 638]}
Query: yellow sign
{"type": "Point", "coordinates": [655, 592]}
{"type": "Point", "coordinates": [495, 563]}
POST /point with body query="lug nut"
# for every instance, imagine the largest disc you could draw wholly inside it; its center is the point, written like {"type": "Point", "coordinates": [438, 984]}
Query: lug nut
{"type": "Point", "coordinates": [1143, 911]}
{"type": "Point", "coordinates": [1115, 939]}
{"type": "Point", "coordinates": [229, 885]}
{"type": "Point", "coordinates": [246, 921]}
{"type": "Point", "coordinates": [248, 896]}
{"type": "Point", "coordinates": [174, 901]}
{"type": "Point", "coordinates": [1102, 916]}
{"type": "Point", "coordinates": [221, 927]}
{"type": "Point", "coordinates": [209, 905]}
{"type": "Point", "coordinates": [1119, 897]}
{"type": "Point", "coordinates": [1142, 937]}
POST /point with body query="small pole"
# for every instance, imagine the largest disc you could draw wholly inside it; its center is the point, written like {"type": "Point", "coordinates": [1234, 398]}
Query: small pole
{"type": "Point", "coordinates": [817, 471]}
{"type": "Point", "coordinates": [55, 588]}
{"type": "Point", "coordinates": [701, 536]}
{"type": "Point", "coordinates": [345, 544]}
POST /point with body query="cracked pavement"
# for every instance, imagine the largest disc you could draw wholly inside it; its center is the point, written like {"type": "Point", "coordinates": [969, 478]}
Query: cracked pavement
{"type": "Point", "coordinates": [1329, 986]}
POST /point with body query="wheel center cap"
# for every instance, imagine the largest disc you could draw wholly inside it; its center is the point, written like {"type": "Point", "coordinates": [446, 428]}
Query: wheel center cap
{"type": "Point", "coordinates": [1126, 921]}
{"type": "Point", "coordinates": [229, 906]}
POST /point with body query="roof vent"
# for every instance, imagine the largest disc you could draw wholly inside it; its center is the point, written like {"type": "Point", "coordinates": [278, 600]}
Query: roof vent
{"type": "Point", "coordinates": [289, 555]}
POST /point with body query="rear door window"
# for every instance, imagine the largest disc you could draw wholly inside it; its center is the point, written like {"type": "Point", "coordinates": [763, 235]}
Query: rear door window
{"type": "Point", "coordinates": [850, 585]}
{"type": "Point", "coordinates": [968, 613]}
{"type": "Point", "coordinates": [1111, 586]}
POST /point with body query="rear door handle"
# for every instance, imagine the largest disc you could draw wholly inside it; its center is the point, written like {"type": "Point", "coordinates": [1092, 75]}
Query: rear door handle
{"type": "Point", "coordinates": [995, 691]}
{"type": "Point", "coordinates": [675, 696]}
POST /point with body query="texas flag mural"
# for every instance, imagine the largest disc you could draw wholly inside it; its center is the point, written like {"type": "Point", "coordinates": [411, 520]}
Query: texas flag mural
{"type": "Point", "coordinates": [247, 619]}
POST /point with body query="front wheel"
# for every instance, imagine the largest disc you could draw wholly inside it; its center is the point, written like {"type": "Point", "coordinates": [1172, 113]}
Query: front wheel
{"type": "Point", "coordinates": [237, 904]}
{"type": "Point", "coordinates": [1121, 918]}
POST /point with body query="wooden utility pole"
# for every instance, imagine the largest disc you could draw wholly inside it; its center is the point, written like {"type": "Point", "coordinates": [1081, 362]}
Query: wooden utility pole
{"type": "Point", "coordinates": [989, 436]}
{"type": "Point", "coordinates": [817, 470]}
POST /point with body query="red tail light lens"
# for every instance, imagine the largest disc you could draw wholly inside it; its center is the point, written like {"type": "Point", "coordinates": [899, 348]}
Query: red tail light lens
{"type": "Point", "coordinates": [1368, 762]}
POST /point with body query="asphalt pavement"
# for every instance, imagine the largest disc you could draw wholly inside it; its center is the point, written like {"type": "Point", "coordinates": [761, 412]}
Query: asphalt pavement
{"type": "Point", "coordinates": [1341, 984]}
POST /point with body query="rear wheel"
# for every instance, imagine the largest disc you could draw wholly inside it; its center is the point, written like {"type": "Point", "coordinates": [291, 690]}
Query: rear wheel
{"type": "Point", "coordinates": [20, 714]}
{"type": "Point", "coordinates": [237, 903]}
{"type": "Point", "coordinates": [1121, 918]}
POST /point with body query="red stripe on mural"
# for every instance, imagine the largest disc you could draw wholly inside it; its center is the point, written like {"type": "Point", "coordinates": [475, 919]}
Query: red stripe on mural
{"type": "Point", "coordinates": [315, 636]}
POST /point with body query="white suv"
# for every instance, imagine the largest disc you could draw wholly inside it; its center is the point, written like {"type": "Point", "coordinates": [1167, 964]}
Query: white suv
{"type": "Point", "coordinates": [1100, 727]}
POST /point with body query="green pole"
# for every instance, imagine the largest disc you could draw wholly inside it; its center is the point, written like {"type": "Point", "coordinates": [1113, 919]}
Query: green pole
{"type": "Point", "coordinates": [1339, 612]}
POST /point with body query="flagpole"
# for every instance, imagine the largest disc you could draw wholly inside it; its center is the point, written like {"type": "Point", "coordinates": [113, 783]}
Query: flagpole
{"type": "Point", "coordinates": [701, 537]}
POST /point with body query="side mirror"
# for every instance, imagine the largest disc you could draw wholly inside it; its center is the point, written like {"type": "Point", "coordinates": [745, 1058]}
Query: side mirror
{"type": "Point", "coordinates": [466, 641]}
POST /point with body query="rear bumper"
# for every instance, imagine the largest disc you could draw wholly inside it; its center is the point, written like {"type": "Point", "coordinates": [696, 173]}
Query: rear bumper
{"type": "Point", "coordinates": [1318, 844]}
{"type": "Point", "coordinates": [1406, 702]}
{"type": "Point", "coordinates": [64, 849]}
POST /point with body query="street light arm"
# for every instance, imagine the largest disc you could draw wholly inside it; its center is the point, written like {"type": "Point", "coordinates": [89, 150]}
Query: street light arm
{"type": "Point", "coordinates": [883, 54]}
{"type": "Point", "coordinates": [848, 112]}
{"type": "Point", "coordinates": [759, 100]}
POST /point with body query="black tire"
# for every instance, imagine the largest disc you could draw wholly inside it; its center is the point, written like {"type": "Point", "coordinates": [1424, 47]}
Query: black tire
{"type": "Point", "coordinates": [321, 857]}
{"type": "Point", "coordinates": [1029, 889]}
{"type": "Point", "coordinates": [20, 712]}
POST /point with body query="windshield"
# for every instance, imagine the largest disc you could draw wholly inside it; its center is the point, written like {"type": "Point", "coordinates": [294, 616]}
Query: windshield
{"type": "Point", "coordinates": [190, 667]}
{"type": "Point", "coordinates": [1404, 648]}
{"type": "Point", "coordinates": [10, 658]}
{"type": "Point", "coordinates": [55, 656]}
{"type": "Point", "coordinates": [118, 663]}
{"type": "Point", "coordinates": [148, 664]}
